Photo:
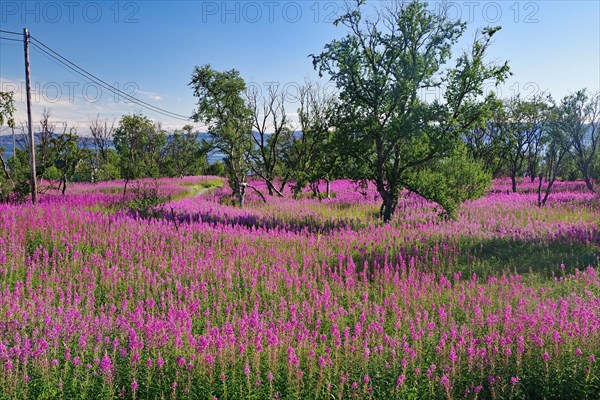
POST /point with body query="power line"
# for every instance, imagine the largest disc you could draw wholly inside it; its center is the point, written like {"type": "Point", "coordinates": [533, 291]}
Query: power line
{"type": "Point", "coordinates": [106, 86]}
{"type": "Point", "coordinates": [14, 40]}
{"type": "Point", "coordinates": [80, 75]}
{"type": "Point", "coordinates": [89, 76]}
{"type": "Point", "coordinates": [11, 32]}
{"type": "Point", "coordinates": [110, 87]}
{"type": "Point", "coordinates": [59, 64]}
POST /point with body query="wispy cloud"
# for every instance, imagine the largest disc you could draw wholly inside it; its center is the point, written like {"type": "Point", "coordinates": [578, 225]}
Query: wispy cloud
{"type": "Point", "coordinates": [150, 95]}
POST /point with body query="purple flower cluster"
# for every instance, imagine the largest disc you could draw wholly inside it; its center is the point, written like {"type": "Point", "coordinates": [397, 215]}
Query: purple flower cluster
{"type": "Point", "coordinates": [259, 299]}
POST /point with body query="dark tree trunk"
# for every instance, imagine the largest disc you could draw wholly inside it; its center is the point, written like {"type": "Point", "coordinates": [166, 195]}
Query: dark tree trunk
{"type": "Point", "coordinates": [272, 189]}
{"type": "Point", "coordinates": [387, 207]}
{"type": "Point", "coordinates": [539, 191]}
{"type": "Point", "coordinates": [542, 201]}
{"type": "Point", "coordinates": [588, 183]}
{"type": "Point", "coordinates": [389, 198]}
{"type": "Point", "coordinates": [547, 194]}
{"type": "Point", "coordinates": [513, 179]}
{"type": "Point", "coordinates": [125, 187]}
{"type": "Point", "coordinates": [315, 189]}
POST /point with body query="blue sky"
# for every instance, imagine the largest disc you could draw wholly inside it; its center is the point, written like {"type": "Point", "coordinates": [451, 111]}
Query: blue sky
{"type": "Point", "coordinates": [149, 48]}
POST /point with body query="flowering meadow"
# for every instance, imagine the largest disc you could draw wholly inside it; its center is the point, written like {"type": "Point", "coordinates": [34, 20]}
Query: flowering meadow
{"type": "Point", "coordinates": [300, 298]}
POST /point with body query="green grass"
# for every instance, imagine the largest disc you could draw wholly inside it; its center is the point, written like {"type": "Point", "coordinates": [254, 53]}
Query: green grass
{"type": "Point", "coordinates": [492, 257]}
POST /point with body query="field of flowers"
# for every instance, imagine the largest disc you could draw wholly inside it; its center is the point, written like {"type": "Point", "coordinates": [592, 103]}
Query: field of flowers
{"type": "Point", "coordinates": [300, 298]}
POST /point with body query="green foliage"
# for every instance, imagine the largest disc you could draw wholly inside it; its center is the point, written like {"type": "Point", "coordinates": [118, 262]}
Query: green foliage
{"type": "Point", "coordinates": [484, 142]}
{"type": "Point", "coordinates": [313, 155]}
{"type": "Point", "coordinates": [522, 127]}
{"type": "Point", "coordinates": [564, 123]}
{"type": "Point", "coordinates": [138, 142]}
{"type": "Point", "coordinates": [52, 174]}
{"type": "Point", "coordinates": [451, 180]}
{"type": "Point", "coordinates": [183, 154]}
{"type": "Point", "coordinates": [579, 118]}
{"type": "Point", "coordinates": [216, 169]}
{"type": "Point", "coordinates": [7, 109]}
{"type": "Point", "coordinates": [391, 136]}
{"type": "Point", "coordinates": [145, 201]}
{"type": "Point", "coordinates": [229, 119]}
{"type": "Point", "coordinates": [16, 185]}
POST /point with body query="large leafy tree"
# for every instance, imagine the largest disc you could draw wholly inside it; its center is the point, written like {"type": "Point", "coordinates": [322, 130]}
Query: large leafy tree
{"type": "Point", "coordinates": [557, 143]}
{"type": "Point", "coordinates": [580, 120]}
{"type": "Point", "coordinates": [138, 142]}
{"type": "Point", "coordinates": [486, 142]}
{"type": "Point", "coordinates": [222, 107]}
{"type": "Point", "coordinates": [183, 154]}
{"type": "Point", "coordinates": [380, 67]}
{"type": "Point", "coordinates": [522, 125]}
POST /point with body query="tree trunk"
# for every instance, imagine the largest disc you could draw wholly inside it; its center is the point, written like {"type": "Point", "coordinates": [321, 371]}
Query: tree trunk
{"type": "Point", "coordinates": [328, 189]}
{"type": "Point", "coordinates": [241, 194]}
{"type": "Point", "coordinates": [548, 189]}
{"type": "Point", "coordinates": [589, 184]}
{"type": "Point", "coordinates": [513, 179]}
{"type": "Point", "coordinates": [125, 187]}
{"type": "Point", "coordinates": [542, 202]}
{"type": "Point", "coordinates": [388, 207]}
{"type": "Point", "coordinates": [539, 191]}
{"type": "Point", "coordinates": [273, 189]}
{"type": "Point", "coordinates": [314, 186]}
{"type": "Point", "coordinates": [257, 192]}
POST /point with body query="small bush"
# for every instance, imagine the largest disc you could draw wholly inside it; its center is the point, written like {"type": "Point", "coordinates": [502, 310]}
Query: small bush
{"type": "Point", "coordinates": [145, 201]}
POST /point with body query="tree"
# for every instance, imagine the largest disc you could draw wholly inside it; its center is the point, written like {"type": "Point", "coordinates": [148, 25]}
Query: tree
{"type": "Point", "coordinates": [65, 155]}
{"type": "Point", "coordinates": [44, 151]}
{"type": "Point", "coordinates": [138, 142]}
{"type": "Point", "coordinates": [59, 157]}
{"type": "Point", "coordinates": [380, 67]}
{"type": "Point", "coordinates": [523, 125]}
{"type": "Point", "coordinates": [102, 135]}
{"type": "Point", "coordinates": [485, 142]}
{"type": "Point", "coordinates": [183, 154]}
{"type": "Point", "coordinates": [312, 154]}
{"type": "Point", "coordinates": [222, 108]}
{"type": "Point", "coordinates": [103, 163]}
{"type": "Point", "coordinates": [538, 110]}
{"type": "Point", "coordinates": [7, 111]}
{"type": "Point", "coordinates": [579, 119]}
{"type": "Point", "coordinates": [59, 153]}
{"type": "Point", "coordinates": [557, 146]}
{"type": "Point", "coordinates": [272, 133]}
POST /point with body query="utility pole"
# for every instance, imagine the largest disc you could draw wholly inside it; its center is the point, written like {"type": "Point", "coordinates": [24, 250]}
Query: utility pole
{"type": "Point", "coordinates": [29, 123]}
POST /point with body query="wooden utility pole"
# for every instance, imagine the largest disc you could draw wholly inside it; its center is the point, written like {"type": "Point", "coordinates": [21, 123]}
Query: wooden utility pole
{"type": "Point", "coordinates": [29, 123]}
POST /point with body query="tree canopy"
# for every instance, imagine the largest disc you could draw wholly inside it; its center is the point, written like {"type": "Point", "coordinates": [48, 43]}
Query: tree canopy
{"type": "Point", "coordinates": [380, 67]}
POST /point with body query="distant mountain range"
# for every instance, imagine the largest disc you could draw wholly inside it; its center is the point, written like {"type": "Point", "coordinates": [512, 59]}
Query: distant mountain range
{"type": "Point", "coordinates": [6, 141]}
